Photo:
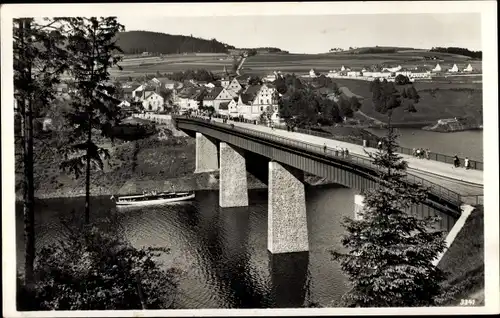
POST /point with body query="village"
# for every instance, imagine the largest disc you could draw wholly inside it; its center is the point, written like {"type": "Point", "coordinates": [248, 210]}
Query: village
{"type": "Point", "coordinates": [390, 73]}
{"type": "Point", "coordinates": [233, 96]}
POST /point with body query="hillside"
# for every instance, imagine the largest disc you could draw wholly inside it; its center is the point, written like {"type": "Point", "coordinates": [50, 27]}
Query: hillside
{"type": "Point", "coordinates": [136, 42]}
{"type": "Point", "coordinates": [437, 101]}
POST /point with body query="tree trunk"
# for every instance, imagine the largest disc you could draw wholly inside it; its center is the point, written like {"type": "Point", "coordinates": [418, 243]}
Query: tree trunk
{"type": "Point", "coordinates": [87, 176]}
{"type": "Point", "coordinates": [27, 140]}
{"type": "Point", "coordinates": [29, 198]}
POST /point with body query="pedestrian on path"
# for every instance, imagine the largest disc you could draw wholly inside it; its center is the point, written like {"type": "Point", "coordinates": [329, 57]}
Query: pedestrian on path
{"type": "Point", "coordinates": [427, 154]}
{"type": "Point", "coordinates": [467, 163]}
{"type": "Point", "coordinates": [456, 161]}
{"type": "Point", "coordinates": [336, 151]}
{"type": "Point", "coordinates": [342, 152]}
{"type": "Point", "coordinates": [324, 147]}
{"type": "Point", "coordinates": [380, 145]}
{"type": "Point", "coordinates": [346, 153]}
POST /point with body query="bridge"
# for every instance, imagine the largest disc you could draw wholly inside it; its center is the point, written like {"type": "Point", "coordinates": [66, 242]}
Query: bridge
{"type": "Point", "coordinates": [279, 159]}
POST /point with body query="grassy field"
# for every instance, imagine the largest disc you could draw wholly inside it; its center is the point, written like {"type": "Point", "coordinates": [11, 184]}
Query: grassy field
{"type": "Point", "coordinates": [464, 262]}
{"type": "Point", "coordinates": [437, 101]}
{"type": "Point", "coordinates": [262, 64]}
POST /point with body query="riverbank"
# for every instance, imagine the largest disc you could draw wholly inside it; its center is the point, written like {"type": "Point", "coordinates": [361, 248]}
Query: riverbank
{"type": "Point", "coordinates": [163, 164]}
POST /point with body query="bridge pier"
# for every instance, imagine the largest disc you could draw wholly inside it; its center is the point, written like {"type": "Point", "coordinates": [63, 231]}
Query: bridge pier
{"type": "Point", "coordinates": [233, 189]}
{"type": "Point", "coordinates": [287, 219]}
{"type": "Point", "coordinates": [206, 154]}
{"type": "Point", "coordinates": [358, 205]}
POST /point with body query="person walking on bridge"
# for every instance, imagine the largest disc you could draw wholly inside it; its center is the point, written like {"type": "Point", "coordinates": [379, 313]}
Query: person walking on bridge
{"type": "Point", "coordinates": [456, 161]}
{"type": "Point", "coordinates": [324, 147]}
{"type": "Point", "coordinates": [467, 163]}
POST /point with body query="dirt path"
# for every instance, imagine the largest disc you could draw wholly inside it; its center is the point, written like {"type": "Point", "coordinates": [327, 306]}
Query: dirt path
{"type": "Point", "coordinates": [375, 121]}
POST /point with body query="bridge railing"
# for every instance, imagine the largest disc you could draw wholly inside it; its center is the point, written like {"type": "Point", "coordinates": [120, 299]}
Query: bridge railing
{"type": "Point", "coordinates": [474, 164]}
{"type": "Point", "coordinates": [434, 188]}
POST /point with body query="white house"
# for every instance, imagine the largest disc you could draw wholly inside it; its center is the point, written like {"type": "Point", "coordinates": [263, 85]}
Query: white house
{"type": "Point", "coordinates": [437, 68]}
{"type": "Point", "coordinates": [137, 93]}
{"type": "Point", "coordinates": [392, 69]}
{"type": "Point", "coordinates": [420, 73]}
{"type": "Point", "coordinates": [233, 107]}
{"type": "Point", "coordinates": [265, 95]}
{"type": "Point", "coordinates": [454, 69]}
{"type": "Point", "coordinates": [342, 68]}
{"type": "Point", "coordinates": [124, 103]}
{"type": "Point", "coordinates": [233, 86]}
{"type": "Point", "coordinates": [312, 73]}
{"type": "Point", "coordinates": [468, 68]}
{"type": "Point", "coordinates": [152, 101]}
{"type": "Point", "coordinates": [353, 73]}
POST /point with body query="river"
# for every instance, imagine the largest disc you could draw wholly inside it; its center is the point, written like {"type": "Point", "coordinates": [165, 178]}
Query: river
{"type": "Point", "coordinates": [222, 253]}
{"type": "Point", "coordinates": [468, 143]}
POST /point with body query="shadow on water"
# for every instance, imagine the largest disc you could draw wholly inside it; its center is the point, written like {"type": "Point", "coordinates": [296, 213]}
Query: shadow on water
{"type": "Point", "coordinates": [289, 273]}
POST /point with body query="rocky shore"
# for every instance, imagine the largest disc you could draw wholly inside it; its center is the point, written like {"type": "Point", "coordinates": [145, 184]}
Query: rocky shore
{"type": "Point", "coordinates": [453, 125]}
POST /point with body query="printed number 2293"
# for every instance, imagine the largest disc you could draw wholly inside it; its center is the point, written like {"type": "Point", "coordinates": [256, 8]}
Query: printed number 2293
{"type": "Point", "coordinates": [467, 302]}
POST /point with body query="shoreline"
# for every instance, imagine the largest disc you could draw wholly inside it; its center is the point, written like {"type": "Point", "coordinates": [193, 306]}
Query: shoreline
{"type": "Point", "coordinates": [206, 181]}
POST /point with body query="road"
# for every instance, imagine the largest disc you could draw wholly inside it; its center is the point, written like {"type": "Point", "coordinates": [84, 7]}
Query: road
{"type": "Point", "coordinates": [460, 180]}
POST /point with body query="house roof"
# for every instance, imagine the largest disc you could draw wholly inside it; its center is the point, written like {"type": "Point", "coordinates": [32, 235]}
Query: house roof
{"type": "Point", "coordinates": [252, 90]}
{"type": "Point", "coordinates": [224, 106]}
{"type": "Point", "coordinates": [247, 98]}
{"type": "Point", "coordinates": [148, 94]}
{"type": "Point", "coordinates": [213, 93]}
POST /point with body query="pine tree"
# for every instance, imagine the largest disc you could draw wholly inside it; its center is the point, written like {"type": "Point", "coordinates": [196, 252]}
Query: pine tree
{"type": "Point", "coordinates": [390, 251]}
{"type": "Point", "coordinates": [91, 43]}
{"type": "Point", "coordinates": [38, 63]}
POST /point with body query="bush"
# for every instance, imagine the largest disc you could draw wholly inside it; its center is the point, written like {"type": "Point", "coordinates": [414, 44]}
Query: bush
{"type": "Point", "coordinates": [94, 270]}
{"type": "Point", "coordinates": [401, 80]}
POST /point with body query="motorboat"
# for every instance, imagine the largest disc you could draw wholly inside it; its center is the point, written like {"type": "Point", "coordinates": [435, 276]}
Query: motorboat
{"type": "Point", "coordinates": [152, 198]}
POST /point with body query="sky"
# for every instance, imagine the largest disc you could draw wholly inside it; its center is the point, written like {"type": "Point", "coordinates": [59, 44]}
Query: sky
{"type": "Point", "coordinates": [320, 33]}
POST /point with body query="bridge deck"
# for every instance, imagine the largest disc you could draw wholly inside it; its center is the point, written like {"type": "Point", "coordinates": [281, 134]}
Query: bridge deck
{"type": "Point", "coordinates": [460, 180]}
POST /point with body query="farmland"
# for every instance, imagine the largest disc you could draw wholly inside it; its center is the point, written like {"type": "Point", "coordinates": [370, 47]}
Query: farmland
{"type": "Point", "coordinates": [263, 64]}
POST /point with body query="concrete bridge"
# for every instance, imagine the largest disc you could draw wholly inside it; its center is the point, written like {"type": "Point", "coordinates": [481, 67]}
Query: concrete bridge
{"type": "Point", "coordinates": [280, 158]}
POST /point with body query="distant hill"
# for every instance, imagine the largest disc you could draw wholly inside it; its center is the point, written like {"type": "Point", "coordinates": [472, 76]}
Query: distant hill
{"type": "Point", "coordinates": [434, 53]}
{"type": "Point", "coordinates": [136, 42]}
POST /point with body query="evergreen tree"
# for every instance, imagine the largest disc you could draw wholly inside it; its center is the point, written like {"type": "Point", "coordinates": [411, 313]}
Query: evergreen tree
{"type": "Point", "coordinates": [390, 251]}
{"type": "Point", "coordinates": [39, 61]}
{"type": "Point", "coordinates": [91, 43]}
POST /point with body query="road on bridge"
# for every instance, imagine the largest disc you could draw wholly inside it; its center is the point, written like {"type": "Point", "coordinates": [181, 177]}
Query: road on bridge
{"type": "Point", "coordinates": [460, 180]}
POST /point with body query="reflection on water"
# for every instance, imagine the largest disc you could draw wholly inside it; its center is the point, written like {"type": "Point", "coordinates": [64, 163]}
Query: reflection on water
{"type": "Point", "coordinates": [222, 252]}
{"type": "Point", "coordinates": [288, 279]}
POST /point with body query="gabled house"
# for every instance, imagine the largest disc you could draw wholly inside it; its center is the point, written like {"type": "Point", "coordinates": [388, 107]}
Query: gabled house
{"type": "Point", "coordinates": [152, 101]}
{"type": "Point", "coordinates": [454, 69]}
{"type": "Point", "coordinates": [234, 86]}
{"type": "Point", "coordinates": [265, 95]}
{"type": "Point", "coordinates": [233, 107]}
{"type": "Point", "coordinates": [210, 96]}
{"type": "Point", "coordinates": [137, 92]}
{"type": "Point", "coordinates": [437, 68]}
{"type": "Point", "coordinates": [468, 68]}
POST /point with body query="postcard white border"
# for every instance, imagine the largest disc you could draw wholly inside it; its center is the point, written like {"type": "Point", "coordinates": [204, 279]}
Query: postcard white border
{"type": "Point", "coordinates": [488, 11]}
